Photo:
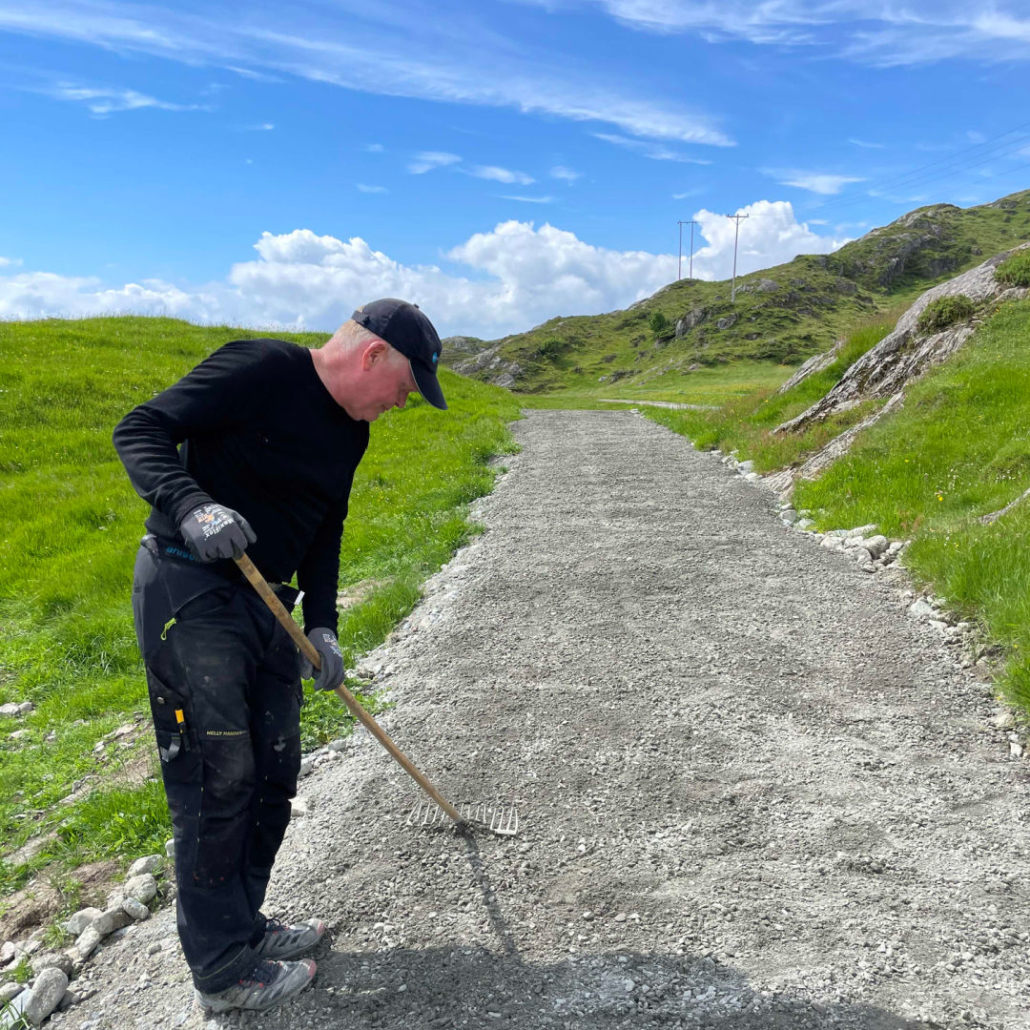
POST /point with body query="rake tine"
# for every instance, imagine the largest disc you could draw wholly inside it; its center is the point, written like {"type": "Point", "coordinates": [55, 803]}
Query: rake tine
{"type": "Point", "coordinates": [495, 818]}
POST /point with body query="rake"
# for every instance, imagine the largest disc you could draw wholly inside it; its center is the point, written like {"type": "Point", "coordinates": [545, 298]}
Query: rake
{"type": "Point", "coordinates": [501, 820]}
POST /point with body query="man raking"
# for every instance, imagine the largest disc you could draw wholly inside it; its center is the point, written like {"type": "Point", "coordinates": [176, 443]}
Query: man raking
{"type": "Point", "coordinates": [255, 449]}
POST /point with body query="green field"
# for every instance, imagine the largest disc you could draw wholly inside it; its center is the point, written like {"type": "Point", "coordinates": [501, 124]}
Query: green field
{"type": "Point", "coordinates": [71, 528]}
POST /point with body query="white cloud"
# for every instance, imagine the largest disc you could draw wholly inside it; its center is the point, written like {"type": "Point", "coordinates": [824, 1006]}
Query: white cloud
{"type": "Point", "coordinates": [565, 174]}
{"type": "Point", "coordinates": [6, 262]}
{"type": "Point", "coordinates": [771, 235]}
{"type": "Point", "coordinates": [505, 280]}
{"type": "Point", "coordinates": [373, 148]}
{"type": "Point", "coordinates": [816, 182]}
{"type": "Point", "coordinates": [263, 127]}
{"type": "Point", "coordinates": [427, 160]}
{"type": "Point", "coordinates": [501, 175]}
{"type": "Point", "coordinates": [655, 151]}
{"type": "Point", "coordinates": [109, 101]}
{"type": "Point", "coordinates": [527, 200]}
{"type": "Point", "coordinates": [696, 191]}
{"type": "Point", "coordinates": [866, 144]}
{"type": "Point", "coordinates": [371, 189]}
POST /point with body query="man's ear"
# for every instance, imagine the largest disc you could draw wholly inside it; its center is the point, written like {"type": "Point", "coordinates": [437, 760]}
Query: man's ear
{"type": "Point", "coordinates": [373, 353]}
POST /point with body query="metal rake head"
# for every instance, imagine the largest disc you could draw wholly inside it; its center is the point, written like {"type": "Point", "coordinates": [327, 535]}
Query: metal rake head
{"type": "Point", "coordinates": [500, 819]}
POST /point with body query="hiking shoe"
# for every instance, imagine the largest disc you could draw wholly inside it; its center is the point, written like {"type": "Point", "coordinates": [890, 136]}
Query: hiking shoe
{"type": "Point", "coordinates": [266, 985]}
{"type": "Point", "coordinates": [283, 941]}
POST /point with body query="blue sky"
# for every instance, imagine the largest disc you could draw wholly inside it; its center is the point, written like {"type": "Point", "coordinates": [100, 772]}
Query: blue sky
{"type": "Point", "coordinates": [500, 161]}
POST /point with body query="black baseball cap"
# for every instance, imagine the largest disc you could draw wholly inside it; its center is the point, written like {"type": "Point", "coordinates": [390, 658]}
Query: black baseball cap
{"type": "Point", "coordinates": [405, 328]}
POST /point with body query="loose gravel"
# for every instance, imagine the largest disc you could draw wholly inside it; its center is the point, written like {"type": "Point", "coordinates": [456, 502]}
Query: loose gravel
{"type": "Point", "coordinates": [754, 793]}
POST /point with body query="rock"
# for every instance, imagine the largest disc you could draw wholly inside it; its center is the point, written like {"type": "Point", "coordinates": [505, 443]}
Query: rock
{"type": "Point", "coordinates": [170, 849]}
{"type": "Point", "coordinates": [920, 610]}
{"type": "Point", "coordinates": [25, 707]}
{"type": "Point", "coordinates": [18, 734]}
{"type": "Point", "coordinates": [789, 515]}
{"type": "Point", "coordinates": [9, 991]}
{"type": "Point", "coordinates": [1016, 750]}
{"type": "Point", "coordinates": [46, 994]}
{"type": "Point", "coordinates": [860, 555]}
{"type": "Point", "coordinates": [337, 745]}
{"type": "Point", "coordinates": [805, 523]}
{"type": "Point", "coordinates": [299, 808]}
{"type": "Point", "coordinates": [862, 530]}
{"type": "Point", "coordinates": [10, 710]}
{"type": "Point", "coordinates": [142, 888]}
{"type": "Point", "coordinates": [150, 864]}
{"type": "Point", "coordinates": [113, 919]}
{"type": "Point", "coordinates": [135, 910]}
{"type": "Point", "coordinates": [51, 960]}
{"type": "Point", "coordinates": [154, 949]}
{"type": "Point", "coordinates": [1004, 720]}
{"type": "Point", "coordinates": [752, 477]}
{"type": "Point", "coordinates": [68, 999]}
{"type": "Point", "coordinates": [306, 765]}
{"type": "Point", "coordinates": [747, 466]}
{"type": "Point", "coordinates": [831, 543]}
{"type": "Point", "coordinates": [8, 953]}
{"type": "Point", "coordinates": [86, 942]}
{"type": "Point", "coordinates": [877, 545]}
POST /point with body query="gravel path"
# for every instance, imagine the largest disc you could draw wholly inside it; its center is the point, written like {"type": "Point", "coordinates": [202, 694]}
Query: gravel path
{"type": "Point", "coordinates": [755, 794]}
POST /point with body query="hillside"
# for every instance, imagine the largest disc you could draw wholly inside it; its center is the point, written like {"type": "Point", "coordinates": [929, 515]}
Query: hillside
{"type": "Point", "coordinates": [782, 314]}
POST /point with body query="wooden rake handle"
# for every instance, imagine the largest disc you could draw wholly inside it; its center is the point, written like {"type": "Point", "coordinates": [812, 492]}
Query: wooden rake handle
{"type": "Point", "coordinates": [258, 582]}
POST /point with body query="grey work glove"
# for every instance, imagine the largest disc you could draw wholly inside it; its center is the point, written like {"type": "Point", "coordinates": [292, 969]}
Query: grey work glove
{"type": "Point", "coordinates": [330, 676]}
{"type": "Point", "coordinates": [212, 532]}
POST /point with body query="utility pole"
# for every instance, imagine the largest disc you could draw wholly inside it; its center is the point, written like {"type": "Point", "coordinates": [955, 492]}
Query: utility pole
{"type": "Point", "coordinates": [679, 268]}
{"type": "Point", "coordinates": [736, 234]}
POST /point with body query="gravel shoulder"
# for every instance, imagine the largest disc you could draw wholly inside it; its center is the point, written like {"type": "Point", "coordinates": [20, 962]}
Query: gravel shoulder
{"type": "Point", "coordinates": [754, 794]}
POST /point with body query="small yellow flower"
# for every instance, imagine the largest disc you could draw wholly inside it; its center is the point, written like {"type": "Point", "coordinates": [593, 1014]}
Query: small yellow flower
{"type": "Point", "coordinates": [940, 497]}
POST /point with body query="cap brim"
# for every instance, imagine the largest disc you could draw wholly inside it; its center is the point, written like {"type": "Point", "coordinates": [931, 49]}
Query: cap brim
{"type": "Point", "coordinates": [428, 385]}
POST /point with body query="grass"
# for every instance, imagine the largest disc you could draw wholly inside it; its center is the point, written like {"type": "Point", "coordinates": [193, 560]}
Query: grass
{"type": "Point", "coordinates": [747, 413]}
{"type": "Point", "coordinates": [957, 450]}
{"type": "Point", "coordinates": [71, 527]}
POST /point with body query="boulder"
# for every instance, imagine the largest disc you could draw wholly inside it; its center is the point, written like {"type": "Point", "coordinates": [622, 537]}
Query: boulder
{"type": "Point", "coordinates": [113, 919]}
{"type": "Point", "coordinates": [51, 960]}
{"type": "Point", "coordinates": [46, 995]}
{"type": "Point", "coordinates": [135, 910]}
{"type": "Point", "coordinates": [77, 923]}
{"type": "Point", "coordinates": [86, 942]}
{"type": "Point", "coordinates": [142, 888]}
{"type": "Point", "coordinates": [149, 864]}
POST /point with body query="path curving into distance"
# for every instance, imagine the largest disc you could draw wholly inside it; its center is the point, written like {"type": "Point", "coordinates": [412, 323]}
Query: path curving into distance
{"type": "Point", "coordinates": [754, 794]}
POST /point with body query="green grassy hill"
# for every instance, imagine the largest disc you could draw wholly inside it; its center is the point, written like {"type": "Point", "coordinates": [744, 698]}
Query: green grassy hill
{"type": "Point", "coordinates": [781, 315]}
{"type": "Point", "coordinates": [71, 526]}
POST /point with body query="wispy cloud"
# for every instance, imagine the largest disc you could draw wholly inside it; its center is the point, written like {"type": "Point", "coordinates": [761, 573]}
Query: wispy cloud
{"type": "Point", "coordinates": [866, 144]}
{"type": "Point", "coordinates": [816, 182]}
{"type": "Point", "coordinates": [371, 189]}
{"type": "Point", "coordinates": [110, 101]}
{"type": "Point", "coordinates": [6, 262]}
{"type": "Point", "coordinates": [655, 151]}
{"type": "Point", "coordinates": [262, 127]}
{"type": "Point", "coordinates": [565, 174]}
{"type": "Point", "coordinates": [373, 148]}
{"type": "Point", "coordinates": [528, 200]}
{"type": "Point", "coordinates": [446, 61]}
{"type": "Point", "coordinates": [696, 191]}
{"type": "Point", "coordinates": [427, 160]}
{"type": "Point", "coordinates": [497, 174]}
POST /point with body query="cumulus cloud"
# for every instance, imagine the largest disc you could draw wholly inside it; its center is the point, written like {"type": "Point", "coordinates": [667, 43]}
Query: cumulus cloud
{"type": "Point", "coordinates": [497, 282]}
{"type": "Point", "coordinates": [501, 175]}
{"type": "Point", "coordinates": [770, 236]}
{"type": "Point", "coordinates": [427, 160]}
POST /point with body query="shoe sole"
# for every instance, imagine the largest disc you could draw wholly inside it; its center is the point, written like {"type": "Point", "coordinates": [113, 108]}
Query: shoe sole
{"type": "Point", "coordinates": [219, 1007]}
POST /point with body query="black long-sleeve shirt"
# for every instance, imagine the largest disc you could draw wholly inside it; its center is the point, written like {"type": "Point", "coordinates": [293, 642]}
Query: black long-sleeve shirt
{"type": "Point", "coordinates": [260, 434]}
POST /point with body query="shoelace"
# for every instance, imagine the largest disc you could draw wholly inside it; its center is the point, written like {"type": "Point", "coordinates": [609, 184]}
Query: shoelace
{"type": "Point", "coordinates": [263, 974]}
{"type": "Point", "coordinates": [275, 926]}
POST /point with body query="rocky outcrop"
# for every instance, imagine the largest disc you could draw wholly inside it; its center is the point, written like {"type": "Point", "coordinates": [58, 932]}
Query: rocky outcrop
{"type": "Point", "coordinates": [814, 364]}
{"type": "Point", "coordinates": [501, 372]}
{"type": "Point", "coordinates": [906, 352]}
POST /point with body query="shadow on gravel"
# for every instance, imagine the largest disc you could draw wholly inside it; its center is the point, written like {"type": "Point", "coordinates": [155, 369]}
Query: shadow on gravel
{"type": "Point", "coordinates": [476, 987]}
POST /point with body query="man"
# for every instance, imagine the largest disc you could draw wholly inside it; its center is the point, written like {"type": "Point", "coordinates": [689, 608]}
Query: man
{"type": "Point", "coordinates": [271, 434]}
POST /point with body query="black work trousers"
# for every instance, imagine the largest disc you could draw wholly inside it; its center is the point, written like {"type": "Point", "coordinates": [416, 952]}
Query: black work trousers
{"type": "Point", "coordinates": [225, 694]}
